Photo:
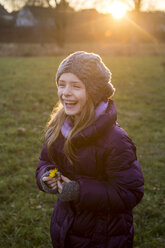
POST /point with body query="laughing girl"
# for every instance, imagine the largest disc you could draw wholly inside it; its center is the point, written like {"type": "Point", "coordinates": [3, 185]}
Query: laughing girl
{"type": "Point", "coordinates": [99, 180]}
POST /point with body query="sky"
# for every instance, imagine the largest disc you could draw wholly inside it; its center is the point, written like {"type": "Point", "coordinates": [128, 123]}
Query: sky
{"type": "Point", "coordinates": [103, 5]}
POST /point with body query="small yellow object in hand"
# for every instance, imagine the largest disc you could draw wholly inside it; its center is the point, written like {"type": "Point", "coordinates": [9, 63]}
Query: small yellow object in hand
{"type": "Point", "coordinates": [53, 173]}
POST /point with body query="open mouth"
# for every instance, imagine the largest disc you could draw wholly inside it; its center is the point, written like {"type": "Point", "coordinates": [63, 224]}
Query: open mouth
{"type": "Point", "coordinates": [70, 103]}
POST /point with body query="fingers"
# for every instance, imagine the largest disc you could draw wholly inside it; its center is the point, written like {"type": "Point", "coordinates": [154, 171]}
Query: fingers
{"type": "Point", "coordinates": [65, 179]}
{"type": "Point", "coordinates": [56, 182]}
{"type": "Point", "coordinates": [55, 187]}
{"type": "Point", "coordinates": [52, 185]}
{"type": "Point", "coordinates": [51, 182]}
{"type": "Point", "coordinates": [45, 179]}
{"type": "Point", "coordinates": [59, 184]}
{"type": "Point", "coordinates": [49, 179]}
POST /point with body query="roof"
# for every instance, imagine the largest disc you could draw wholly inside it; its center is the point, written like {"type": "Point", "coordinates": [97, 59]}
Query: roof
{"type": "Point", "coordinates": [3, 11]}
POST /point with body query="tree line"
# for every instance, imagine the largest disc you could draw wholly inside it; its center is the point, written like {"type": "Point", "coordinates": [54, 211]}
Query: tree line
{"type": "Point", "coordinates": [88, 25]}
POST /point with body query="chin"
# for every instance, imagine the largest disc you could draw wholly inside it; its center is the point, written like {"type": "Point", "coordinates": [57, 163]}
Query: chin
{"type": "Point", "coordinates": [72, 113]}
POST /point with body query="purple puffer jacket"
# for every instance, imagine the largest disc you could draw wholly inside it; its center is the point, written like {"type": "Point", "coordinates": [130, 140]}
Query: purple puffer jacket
{"type": "Point", "coordinates": [111, 185]}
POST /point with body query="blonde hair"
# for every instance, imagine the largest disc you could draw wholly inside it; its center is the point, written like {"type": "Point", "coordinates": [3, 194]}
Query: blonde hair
{"type": "Point", "coordinates": [58, 117]}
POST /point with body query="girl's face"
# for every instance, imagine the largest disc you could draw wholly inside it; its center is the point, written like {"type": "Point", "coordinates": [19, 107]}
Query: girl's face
{"type": "Point", "coordinates": [71, 93]}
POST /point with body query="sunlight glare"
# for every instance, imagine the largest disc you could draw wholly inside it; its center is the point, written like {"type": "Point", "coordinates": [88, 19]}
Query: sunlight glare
{"type": "Point", "coordinates": [117, 9]}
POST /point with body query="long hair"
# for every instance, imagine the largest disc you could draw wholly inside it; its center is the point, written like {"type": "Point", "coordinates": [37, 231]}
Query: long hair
{"type": "Point", "coordinates": [58, 117]}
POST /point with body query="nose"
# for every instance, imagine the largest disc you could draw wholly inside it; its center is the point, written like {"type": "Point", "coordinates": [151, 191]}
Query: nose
{"type": "Point", "coordinates": [67, 90]}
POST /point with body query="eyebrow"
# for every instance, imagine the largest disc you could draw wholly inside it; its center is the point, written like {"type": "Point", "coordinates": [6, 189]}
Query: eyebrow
{"type": "Point", "coordinates": [74, 82]}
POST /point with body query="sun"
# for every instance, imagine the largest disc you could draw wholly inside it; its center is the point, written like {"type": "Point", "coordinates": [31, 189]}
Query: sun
{"type": "Point", "coordinates": [117, 9]}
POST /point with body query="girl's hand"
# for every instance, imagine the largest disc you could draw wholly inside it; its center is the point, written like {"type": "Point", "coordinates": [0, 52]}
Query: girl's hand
{"type": "Point", "coordinates": [50, 182]}
{"type": "Point", "coordinates": [69, 190]}
{"type": "Point", "coordinates": [61, 181]}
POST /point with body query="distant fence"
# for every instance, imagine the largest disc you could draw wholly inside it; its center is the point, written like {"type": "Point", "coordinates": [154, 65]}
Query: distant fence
{"type": "Point", "coordinates": [104, 49]}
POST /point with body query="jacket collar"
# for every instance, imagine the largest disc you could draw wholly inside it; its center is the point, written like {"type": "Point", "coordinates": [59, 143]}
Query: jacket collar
{"type": "Point", "coordinates": [106, 116]}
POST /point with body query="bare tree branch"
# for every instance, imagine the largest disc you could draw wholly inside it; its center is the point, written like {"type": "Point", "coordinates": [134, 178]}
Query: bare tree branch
{"type": "Point", "coordinates": [79, 4]}
{"type": "Point", "coordinates": [48, 3]}
{"type": "Point", "coordinates": [138, 4]}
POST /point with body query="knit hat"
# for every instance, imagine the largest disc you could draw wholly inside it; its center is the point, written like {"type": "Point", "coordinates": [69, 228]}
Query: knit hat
{"type": "Point", "coordinates": [91, 70]}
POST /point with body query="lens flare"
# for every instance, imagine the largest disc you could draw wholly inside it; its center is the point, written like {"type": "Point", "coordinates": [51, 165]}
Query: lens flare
{"type": "Point", "coordinates": [117, 9]}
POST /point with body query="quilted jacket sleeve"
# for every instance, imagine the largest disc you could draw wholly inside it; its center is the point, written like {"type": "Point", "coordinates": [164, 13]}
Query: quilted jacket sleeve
{"type": "Point", "coordinates": [44, 165]}
{"type": "Point", "coordinates": [123, 188]}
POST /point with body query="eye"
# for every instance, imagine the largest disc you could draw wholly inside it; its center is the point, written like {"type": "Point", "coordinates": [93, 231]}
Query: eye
{"type": "Point", "coordinates": [76, 86]}
{"type": "Point", "coordinates": [61, 85]}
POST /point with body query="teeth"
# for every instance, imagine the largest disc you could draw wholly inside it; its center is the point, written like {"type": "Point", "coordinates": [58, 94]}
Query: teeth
{"type": "Point", "coordinates": [70, 102]}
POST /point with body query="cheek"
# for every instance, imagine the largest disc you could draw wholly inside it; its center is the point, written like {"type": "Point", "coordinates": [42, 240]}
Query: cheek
{"type": "Point", "coordinates": [59, 94]}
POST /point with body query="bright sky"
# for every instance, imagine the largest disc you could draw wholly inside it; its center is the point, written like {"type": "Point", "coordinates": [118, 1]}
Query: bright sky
{"type": "Point", "coordinates": [103, 5]}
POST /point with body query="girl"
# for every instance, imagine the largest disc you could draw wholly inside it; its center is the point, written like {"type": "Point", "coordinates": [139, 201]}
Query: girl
{"type": "Point", "coordinates": [99, 179]}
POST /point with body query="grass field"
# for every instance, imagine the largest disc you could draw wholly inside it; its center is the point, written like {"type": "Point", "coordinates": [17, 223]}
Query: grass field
{"type": "Point", "coordinates": [27, 95]}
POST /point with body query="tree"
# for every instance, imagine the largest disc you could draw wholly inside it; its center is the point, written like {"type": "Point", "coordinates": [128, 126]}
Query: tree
{"type": "Point", "coordinates": [60, 11]}
{"type": "Point", "coordinates": [135, 18]}
{"type": "Point", "coordinates": [134, 4]}
{"type": "Point", "coordinates": [137, 5]}
{"type": "Point", "coordinates": [61, 21]}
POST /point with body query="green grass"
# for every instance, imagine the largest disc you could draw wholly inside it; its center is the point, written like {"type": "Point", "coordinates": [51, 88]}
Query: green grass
{"type": "Point", "coordinates": [27, 96]}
